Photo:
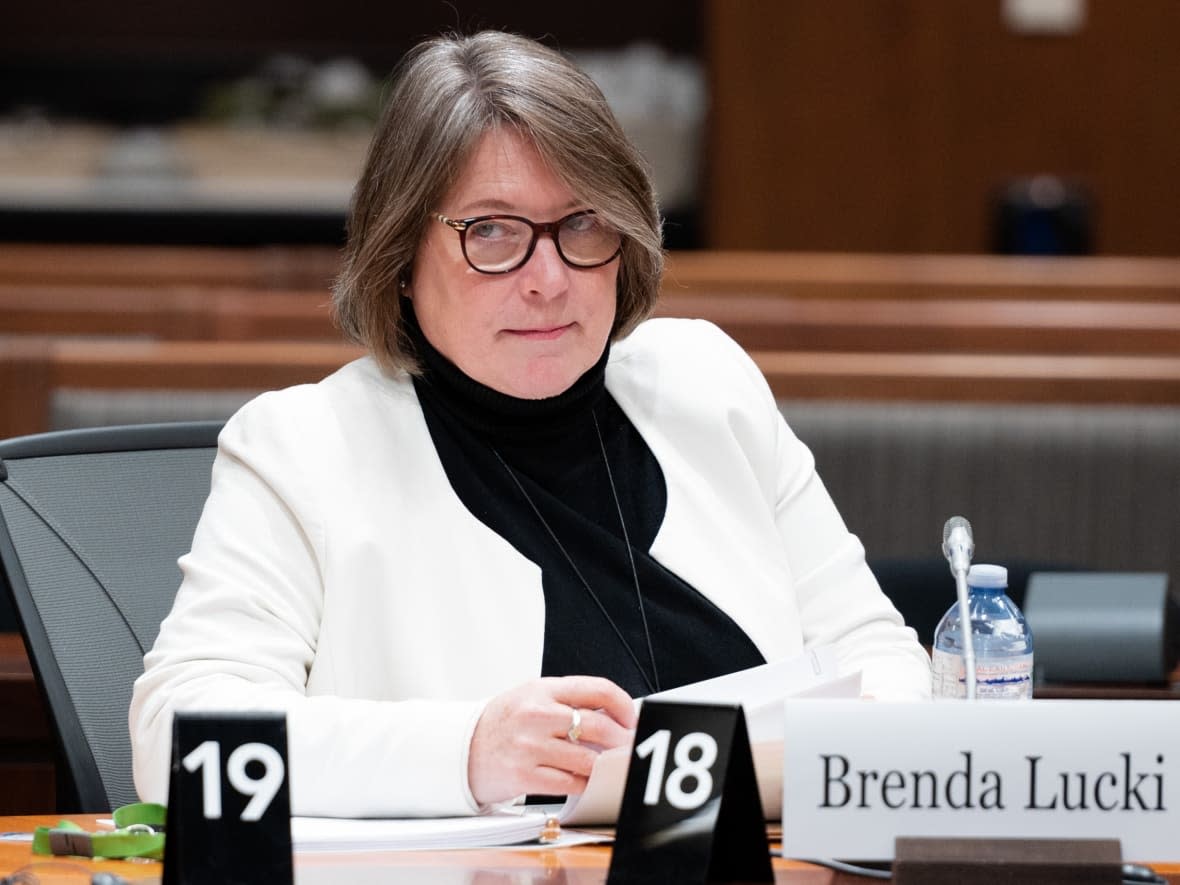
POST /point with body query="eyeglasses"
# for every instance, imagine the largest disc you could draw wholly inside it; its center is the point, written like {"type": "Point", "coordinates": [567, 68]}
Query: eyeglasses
{"type": "Point", "coordinates": [502, 243]}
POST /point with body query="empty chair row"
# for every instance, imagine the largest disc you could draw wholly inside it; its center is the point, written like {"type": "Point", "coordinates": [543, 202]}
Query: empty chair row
{"type": "Point", "coordinates": [758, 322]}
{"type": "Point", "coordinates": [43, 380]}
{"type": "Point", "coordinates": [799, 275]}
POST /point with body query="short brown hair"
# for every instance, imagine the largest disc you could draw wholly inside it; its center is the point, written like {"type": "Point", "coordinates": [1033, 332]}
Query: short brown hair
{"type": "Point", "coordinates": [445, 94]}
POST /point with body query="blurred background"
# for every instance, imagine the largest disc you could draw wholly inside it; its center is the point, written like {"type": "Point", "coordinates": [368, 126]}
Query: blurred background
{"type": "Point", "coordinates": [1012, 126]}
{"type": "Point", "coordinates": [945, 230]}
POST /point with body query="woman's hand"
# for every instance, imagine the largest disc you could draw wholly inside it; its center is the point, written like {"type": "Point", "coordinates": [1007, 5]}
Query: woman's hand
{"type": "Point", "coordinates": [521, 743]}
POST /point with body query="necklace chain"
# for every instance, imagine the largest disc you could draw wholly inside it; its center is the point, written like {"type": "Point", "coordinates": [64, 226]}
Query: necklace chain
{"type": "Point", "coordinates": [652, 682]}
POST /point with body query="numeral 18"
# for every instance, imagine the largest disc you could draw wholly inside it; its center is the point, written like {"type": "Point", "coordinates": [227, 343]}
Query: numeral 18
{"type": "Point", "coordinates": [656, 746]}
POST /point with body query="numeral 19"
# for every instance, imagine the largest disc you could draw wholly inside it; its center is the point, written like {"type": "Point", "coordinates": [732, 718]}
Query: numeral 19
{"type": "Point", "coordinates": [261, 790]}
{"type": "Point", "coordinates": [656, 746]}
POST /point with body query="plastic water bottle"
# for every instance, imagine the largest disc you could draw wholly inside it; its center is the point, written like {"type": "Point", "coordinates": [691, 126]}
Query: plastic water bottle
{"type": "Point", "coordinates": [1001, 637]}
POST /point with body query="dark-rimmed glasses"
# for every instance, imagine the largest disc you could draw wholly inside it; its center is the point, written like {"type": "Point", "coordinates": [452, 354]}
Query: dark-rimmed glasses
{"type": "Point", "coordinates": [502, 243]}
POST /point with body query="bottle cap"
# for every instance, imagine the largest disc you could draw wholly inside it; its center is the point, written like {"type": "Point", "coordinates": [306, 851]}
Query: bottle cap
{"type": "Point", "coordinates": [987, 576]}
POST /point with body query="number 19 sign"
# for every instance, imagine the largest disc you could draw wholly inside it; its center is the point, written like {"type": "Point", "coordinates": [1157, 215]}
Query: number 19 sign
{"type": "Point", "coordinates": [691, 812]}
{"type": "Point", "coordinates": [229, 808]}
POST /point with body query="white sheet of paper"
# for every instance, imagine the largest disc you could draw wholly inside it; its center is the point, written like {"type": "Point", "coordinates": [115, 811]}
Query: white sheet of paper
{"type": "Point", "coordinates": [761, 692]}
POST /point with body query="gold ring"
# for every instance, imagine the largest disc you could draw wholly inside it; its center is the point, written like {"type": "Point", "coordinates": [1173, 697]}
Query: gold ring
{"type": "Point", "coordinates": [575, 730]}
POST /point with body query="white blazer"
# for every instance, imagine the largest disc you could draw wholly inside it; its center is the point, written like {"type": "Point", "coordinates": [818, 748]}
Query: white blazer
{"type": "Point", "coordinates": [336, 576]}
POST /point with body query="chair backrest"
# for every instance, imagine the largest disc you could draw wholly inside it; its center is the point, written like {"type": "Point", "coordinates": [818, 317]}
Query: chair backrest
{"type": "Point", "coordinates": [91, 525]}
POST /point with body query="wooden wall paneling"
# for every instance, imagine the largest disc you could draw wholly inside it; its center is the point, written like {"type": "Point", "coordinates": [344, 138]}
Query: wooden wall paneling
{"type": "Point", "coordinates": [1098, 106]}
{"type": "Point", "coordinates": [816, 137]}
{"type": "Point", "coordinates": [843, 125]}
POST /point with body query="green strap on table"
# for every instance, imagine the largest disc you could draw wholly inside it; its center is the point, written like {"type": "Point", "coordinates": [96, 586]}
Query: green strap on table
{"type": "Point", "coordinates": [139, 832]}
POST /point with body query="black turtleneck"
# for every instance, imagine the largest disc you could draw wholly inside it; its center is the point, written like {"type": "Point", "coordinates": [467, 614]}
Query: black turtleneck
{"type": "Point", "coordinates": [489, 442]}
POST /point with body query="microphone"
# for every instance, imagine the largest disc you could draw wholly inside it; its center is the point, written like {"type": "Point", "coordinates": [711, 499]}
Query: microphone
{"type": "Point", "coordinates": [958, 546]}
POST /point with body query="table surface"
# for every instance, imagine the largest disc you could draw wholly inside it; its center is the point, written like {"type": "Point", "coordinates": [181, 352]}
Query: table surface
{"type": "Point", "coordinates": [499, 866]}
{"type": "Point", "coordinates": [578, 865]}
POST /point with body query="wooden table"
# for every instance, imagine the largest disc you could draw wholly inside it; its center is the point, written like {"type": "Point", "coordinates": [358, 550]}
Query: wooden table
{"type": "Point", "coordinates": [563, 866]}
{"type": "Point", "coordinates": [580, 865]}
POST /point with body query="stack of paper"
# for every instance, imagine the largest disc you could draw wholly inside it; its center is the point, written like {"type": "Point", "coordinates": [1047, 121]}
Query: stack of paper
{"type": "Point", "coordinates": [501, 827]}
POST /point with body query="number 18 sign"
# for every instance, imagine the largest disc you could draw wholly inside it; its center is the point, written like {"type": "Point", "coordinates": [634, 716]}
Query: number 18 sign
{"type": "Point", "coordinates": [229, 806]}
{"type": "Point", "coordinates": [691, 811]}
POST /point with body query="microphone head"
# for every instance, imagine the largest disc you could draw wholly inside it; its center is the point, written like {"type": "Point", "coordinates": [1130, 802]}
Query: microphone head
{"type": "Point", "coordinates": [955, 522]}
{"type": "Point", "coordinates": [958, 544]}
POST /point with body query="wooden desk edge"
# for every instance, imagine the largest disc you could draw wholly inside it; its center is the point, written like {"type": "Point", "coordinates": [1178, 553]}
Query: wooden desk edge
{"type": "Point", "coordinates": [16, 854]}
{"type": "Point", "coordinates": [544, 862]}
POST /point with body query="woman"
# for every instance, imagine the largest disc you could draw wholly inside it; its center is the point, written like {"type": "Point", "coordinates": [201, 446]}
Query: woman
{"type": "Point", "coordinates": [454, 562]}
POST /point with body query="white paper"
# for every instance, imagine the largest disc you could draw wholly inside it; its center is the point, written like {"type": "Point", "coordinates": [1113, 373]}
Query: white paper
{"type": "Point", "coordinates": [761, 691]}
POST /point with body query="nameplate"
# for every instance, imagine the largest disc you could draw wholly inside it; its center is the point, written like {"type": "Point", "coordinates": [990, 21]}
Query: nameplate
{"type": "Point", "coordinates": [858, 774]}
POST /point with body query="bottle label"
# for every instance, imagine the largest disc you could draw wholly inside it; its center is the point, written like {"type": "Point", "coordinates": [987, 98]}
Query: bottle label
{"type": "Point", "coordinates": [1007, 678]}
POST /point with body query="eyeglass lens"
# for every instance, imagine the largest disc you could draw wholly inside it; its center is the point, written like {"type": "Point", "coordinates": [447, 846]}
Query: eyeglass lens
{"type": "Point", "coordinates": [496, 245]}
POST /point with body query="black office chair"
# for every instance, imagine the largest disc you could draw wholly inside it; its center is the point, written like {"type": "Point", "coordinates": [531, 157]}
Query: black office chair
{"type": "Point", "coordinates": [91, 525]}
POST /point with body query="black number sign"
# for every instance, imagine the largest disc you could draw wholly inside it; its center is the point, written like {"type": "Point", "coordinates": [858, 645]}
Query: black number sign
{"type": "Point", "coordinates": [229, 808]}
{"type": "Point", "coordinates": [691, 811]}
